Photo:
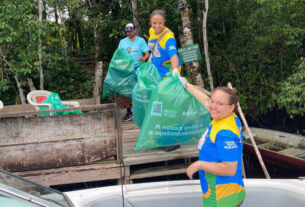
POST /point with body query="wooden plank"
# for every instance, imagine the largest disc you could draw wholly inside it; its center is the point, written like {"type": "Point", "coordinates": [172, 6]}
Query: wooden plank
{"type": "Point", "coordinates": [143, 155]}
{"type": "Point", "coordinates": [31, 146]}
{"type": "Point", "coordinates": [34, 112]}
{"type": "Point", "coordinates": [20, 108]}
{"type": "Point", "coordinates": [292, 151]}
{"type": "Point", "coordinates": [158, 171]}
{"type": "Point", "coordinates": [56, 154]}
{"type": "Point", "coordinates": [118, 135]}
{"type": "Point", "coordinates": [291, 140]}
{"type": "Point", "coordinates": [132, 157]}
{"type": "Point", "coordinates": [39, 129]}
{"type": "Point", "coordinates": [7, 144]}
{"type": "Point", "coordinates": [78, 174]}
{"type": "Point", "coordinates": [160, 156]}
{"type": "Point", "coordinates": [84, 102]}
{"type": "Point", "coordinates": [34, 143]}
{"type": "Point", "coordinates": [159, 151]}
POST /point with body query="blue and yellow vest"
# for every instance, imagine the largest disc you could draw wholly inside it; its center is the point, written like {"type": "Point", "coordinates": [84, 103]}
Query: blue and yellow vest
{"type": "Point", "coordinates": [222, 142]}
{"type": "Point", "coordinates": [163, 52]}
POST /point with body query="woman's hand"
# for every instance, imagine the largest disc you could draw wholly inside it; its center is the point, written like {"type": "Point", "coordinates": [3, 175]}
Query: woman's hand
{"type": "Point", "coordinates": [175, 71]}
{"type": "Point", "coordinates": [192, 169]}
{"type": "Point", "coordinates": [183, 81]}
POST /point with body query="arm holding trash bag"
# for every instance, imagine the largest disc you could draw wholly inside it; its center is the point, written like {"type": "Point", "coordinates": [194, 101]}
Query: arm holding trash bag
{"type": "Point", "coordinates": [220, 148]}
{"type": "Point", "coordinates": [199, 95]}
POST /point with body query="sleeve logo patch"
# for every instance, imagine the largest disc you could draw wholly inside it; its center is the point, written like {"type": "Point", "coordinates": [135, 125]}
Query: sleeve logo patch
{"type": "Point", "coordinates": [202, 139]}
{"type": "Point", "coordinates": [230, 145]}
{"type": "Point", "coordinates": [172, 48]}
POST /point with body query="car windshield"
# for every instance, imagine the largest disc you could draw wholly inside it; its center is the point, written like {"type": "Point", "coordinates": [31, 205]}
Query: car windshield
{"type": "Point", "coordinates": [12, 186]}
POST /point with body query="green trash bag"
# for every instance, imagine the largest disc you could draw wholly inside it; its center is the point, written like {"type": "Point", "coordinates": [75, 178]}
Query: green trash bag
{"type": "Point", "coordinates": [173, 117]}
{"type": "Point", "coordinates": [148, 78]}
{"type": "Point", "coordinates": [121, 77]}
{"type": "Point", "coordinates": [56, 103]}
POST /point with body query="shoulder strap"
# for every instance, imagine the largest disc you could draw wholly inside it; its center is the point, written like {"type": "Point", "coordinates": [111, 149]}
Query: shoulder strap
{"type": "Point", "coordinates": [160, 38]}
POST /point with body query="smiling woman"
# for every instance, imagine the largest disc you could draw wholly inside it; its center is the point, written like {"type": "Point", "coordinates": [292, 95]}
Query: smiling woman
{"type": "Point", "coordinates": [220, 149]}
{"type": "Point", "coordinates": [163, 45]}
{"type": "Point", "coordinates": [223, 103]}
{"type": "Point", "coordinates": [163, 48]}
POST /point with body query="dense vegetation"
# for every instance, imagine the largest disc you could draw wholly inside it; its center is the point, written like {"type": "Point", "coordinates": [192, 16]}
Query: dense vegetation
{"type": "Point", "coordinates": [257, 45]}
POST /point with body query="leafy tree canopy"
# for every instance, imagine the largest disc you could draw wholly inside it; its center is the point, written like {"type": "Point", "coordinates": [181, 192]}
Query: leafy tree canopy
{"type": "Point", "coordinates": [254, 44]}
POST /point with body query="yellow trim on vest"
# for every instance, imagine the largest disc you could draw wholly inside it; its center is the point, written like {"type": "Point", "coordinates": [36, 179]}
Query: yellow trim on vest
{"type": "Point", "coordinates": [166, 62]}
{"type": "Point", "coordinates": [225, 190]}
{"type": "Point", "coordinates": [224, 124]}
{"type": "Point", "coordinates": [164, 39]}
{"type": "Point", "coordinates": [207, 194]}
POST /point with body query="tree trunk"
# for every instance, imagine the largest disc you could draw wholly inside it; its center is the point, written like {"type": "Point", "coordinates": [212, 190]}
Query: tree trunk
{"type": "Point", "coordinates": [98, 65]}
{"type": "Point", "coordinates": [180, 34]}
{"type": "Point", "coordinates": [199, 25]}
{"type": "Point", "coordinates": [80, 36]}
{"type": "Point", "coordinates": [44, 12]}
{"type": "Point", "coordinates": [205, 42]}
{"type": "Point", "coordinates": [134, 6]}
{"type": "Point", "coordinates": [188, 40]}
{"type": "Point", "coordinates": [39, 45]}
{"type": "Point", "coordinates": [98, 68]}
{"type": "Point", "coordinates": [98, 82]}
{"type": "Point", "coordinates": [62, 31]}
{"type": "Point", "coordinates": [31, 84]}
{"type": "Point", "coordinates": [56, 14]}
{"type": "Point", "coordinates": [21, 94]}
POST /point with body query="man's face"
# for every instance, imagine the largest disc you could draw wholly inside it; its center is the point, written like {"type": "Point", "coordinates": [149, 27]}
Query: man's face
{"type": "Point", "coordinates": [131, 34]}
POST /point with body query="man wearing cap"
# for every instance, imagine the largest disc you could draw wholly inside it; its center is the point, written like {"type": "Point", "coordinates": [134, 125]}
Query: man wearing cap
{"type": "Point", "coordinates": [135, 46]}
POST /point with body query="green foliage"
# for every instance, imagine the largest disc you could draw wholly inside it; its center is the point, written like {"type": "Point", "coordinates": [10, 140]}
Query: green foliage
{"type": "Point", "coordinates": [252, 44]}
{"type": "Point", "coordinates": [18, 36]}
{"type": "Point", "coordinates": [70, 80]}
{"type": "Point", "coordinates": [292, 92]}
{"type": "Point", "coordinates": [18, 45]}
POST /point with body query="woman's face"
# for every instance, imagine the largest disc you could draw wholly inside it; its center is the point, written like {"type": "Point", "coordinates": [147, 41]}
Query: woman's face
{"type": "Point", "coordinates": [157, 22]}
{"type": "Point", "coordinates": [220, 106]}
